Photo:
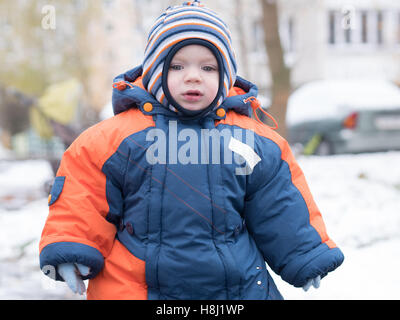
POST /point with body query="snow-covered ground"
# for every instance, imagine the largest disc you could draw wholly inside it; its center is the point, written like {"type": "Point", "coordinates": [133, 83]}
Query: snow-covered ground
{"type": "Point", "coordinates": [358, 195]}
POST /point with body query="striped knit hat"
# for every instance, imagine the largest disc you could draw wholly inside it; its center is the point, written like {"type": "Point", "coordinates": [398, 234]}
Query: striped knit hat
{"type": "Point", "coordinates": [183, 25]}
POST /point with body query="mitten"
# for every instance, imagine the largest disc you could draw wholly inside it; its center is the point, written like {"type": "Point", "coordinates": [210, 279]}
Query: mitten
{"type": "Point", "coordinates": [314, 282]}
{"type": "Point", "coordinates": [72, 274]}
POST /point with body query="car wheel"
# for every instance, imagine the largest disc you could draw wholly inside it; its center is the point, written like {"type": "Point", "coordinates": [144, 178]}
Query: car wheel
{"type": "Point", "coordinates": [324, 148]}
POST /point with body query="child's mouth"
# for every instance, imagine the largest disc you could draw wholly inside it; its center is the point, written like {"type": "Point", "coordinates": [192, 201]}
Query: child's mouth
{"type": "Point", "coordinates": [192, 95]}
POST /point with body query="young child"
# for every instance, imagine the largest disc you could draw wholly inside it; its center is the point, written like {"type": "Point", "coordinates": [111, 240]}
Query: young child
{"type": "Point", "coordinates": [150, 205]}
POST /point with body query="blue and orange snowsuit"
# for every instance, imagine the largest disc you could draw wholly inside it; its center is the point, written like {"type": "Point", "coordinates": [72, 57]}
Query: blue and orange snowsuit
{"type": "Point", "coordinates": [182, 231]}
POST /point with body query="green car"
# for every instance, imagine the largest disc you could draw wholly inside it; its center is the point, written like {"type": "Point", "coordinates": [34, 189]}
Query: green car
{"type": "Point", "coordinates": [344, 116]}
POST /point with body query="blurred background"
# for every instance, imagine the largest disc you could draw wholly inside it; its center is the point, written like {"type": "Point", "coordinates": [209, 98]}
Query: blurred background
{"type": "Point", "coordinates": [327, 70]}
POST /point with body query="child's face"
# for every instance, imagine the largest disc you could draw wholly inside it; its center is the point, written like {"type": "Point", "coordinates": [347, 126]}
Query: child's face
{"type": "Point", "coordinates": [193, 77]}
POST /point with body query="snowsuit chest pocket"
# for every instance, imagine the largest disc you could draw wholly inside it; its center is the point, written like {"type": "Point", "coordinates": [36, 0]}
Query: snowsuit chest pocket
{"type": "Point", "coordinates": [56, 189]}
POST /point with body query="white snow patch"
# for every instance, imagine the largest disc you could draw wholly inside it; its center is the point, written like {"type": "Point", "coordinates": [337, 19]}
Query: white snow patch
{"type": "Point", "coordinates": [22, 182]}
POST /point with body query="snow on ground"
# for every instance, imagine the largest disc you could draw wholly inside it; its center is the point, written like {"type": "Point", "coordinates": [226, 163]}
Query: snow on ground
{"type": "Point", "coordinates": [23, 211]}
{"type": "Point", "coordinates": [358, 196]}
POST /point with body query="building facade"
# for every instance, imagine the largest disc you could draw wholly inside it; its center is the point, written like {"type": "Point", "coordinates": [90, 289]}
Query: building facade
{"type": "Point", "coordinates": [322, 39]}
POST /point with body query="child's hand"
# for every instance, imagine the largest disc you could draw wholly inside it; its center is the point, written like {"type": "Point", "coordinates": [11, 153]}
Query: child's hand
{"type": "Point", "coordinates": [71, 273]}
{"type": "Point", "coordinates": [314, 282]}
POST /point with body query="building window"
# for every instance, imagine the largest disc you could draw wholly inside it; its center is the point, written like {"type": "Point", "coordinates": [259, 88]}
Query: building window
{"type": "Point", "coordinates": [109, 26]}
{"type": "Point", "coordinates": [364, 27]}
{"type": "Point", "coordinates": [347, 35]}
{"type": "Point", "coordinates": [367, 28]}
{"type": "Point", "coordinates": [291, 33]}
{"type": "Point", "coordinates": [108, 3]}
{"type": "Point", "coordinates": [332, 27]}
{"type": "Point", "coordinates": [398, 28]}
{"type": "Point", "coordinates": [79, 5]}
{"type": "Point", "coordinates": [379, 27]}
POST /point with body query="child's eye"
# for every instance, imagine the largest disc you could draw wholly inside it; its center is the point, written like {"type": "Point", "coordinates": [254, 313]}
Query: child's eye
{"type": "Point", "coordinates": [209, 68]}
{"type": "Point", "coordinates": [176, 67]}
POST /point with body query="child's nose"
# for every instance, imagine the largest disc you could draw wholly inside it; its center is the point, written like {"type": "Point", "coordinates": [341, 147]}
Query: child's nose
{"type": "Point", "coordinates": [192, 75]}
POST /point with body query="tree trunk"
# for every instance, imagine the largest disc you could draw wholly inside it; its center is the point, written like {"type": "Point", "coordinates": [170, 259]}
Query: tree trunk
{"type": "Point", "coordinates": [280, 74]}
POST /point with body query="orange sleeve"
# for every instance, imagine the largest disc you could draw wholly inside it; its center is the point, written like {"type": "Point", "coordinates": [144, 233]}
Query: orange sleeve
{"type": "Point", "coordinates": [76, 229]}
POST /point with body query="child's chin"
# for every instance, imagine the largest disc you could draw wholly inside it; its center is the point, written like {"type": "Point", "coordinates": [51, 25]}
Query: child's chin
{"type": "Point", "coordinates": [193, 107]}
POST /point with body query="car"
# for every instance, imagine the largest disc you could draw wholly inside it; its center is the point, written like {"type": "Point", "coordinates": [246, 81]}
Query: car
{"type": "Point", "coordinates": [344, 116]}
